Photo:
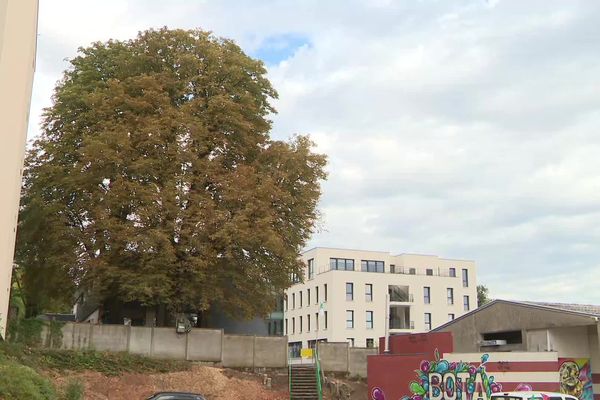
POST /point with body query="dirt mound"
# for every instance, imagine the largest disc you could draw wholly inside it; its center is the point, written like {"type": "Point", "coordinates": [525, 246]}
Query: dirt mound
{"type": "Point", "coordinates": [213, 383]}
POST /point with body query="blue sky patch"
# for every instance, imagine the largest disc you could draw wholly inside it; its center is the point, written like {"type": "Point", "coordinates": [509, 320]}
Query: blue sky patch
{"type": "Point", "coordinates": [275, 49]}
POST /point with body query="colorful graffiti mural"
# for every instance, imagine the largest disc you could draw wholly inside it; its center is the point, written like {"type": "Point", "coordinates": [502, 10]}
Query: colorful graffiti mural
{"type": "Point", "coordinates": [439, 379]}
{"type": "Point", "coordinates": [576, 377]}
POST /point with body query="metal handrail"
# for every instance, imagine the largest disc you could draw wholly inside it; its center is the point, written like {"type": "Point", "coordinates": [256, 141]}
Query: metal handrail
{"type": "Point", "coordinates": [318, 370]}
{"type": "Point", "coordinates": [290, 376]}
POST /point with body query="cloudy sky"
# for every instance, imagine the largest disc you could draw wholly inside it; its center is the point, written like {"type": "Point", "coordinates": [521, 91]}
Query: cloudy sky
{"type": "Point", "coordinates": [467, 129]}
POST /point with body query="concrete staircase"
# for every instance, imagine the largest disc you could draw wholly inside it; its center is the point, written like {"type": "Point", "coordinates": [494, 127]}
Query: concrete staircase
{"type": "Point", "coordinates": [304, 382]}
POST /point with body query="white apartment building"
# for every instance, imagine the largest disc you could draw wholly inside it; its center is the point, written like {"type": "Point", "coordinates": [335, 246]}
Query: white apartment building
{"type": "Point", "coordinates": [351, 287]}
{"type": "Point", "coordinates": [18, 36]}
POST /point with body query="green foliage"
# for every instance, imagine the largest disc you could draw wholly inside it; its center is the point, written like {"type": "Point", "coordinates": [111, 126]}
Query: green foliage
{"type": "Point", "coordinates": [19, 382]}
{"type": "Point", "coordinates": [155, 178]}
{"type": "Point", "coordinates": [27, 332]}
{"type": "Point", "coordinates": [70, 360]}
{"type": "Point", "coordinates": [482, 295]}
{"type": "Point", "coordinates": [107, 363]}
{"type": "Point", "coordinates": [73, 391]}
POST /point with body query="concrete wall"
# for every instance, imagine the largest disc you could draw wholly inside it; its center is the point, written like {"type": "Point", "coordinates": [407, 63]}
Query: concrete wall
{"type": "Point", "coordinates": [205, 345]}
{"type": "Point", "coordinates": [210, 345]}
{"type": "Point", "coordinates": [270, 352]}
{"type": "Point", "coordinates": [334, 357]}
{"type": "Point", "coordinates": [341, 358]}
{"type": "Point", "coordinates": [357, 361]}
{"type": "Point", "coordinates": [502, 316]}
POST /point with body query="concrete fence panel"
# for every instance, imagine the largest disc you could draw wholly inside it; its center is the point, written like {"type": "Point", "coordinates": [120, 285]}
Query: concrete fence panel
{"type": "Point", "coordinates": [81, 336]}
{"type": "Point", "coordinates": [109, 337]}
{"type": "Point", "coordinates": [270, 352]}
{"type": "Point", "coordinates": [357, 361]}
{"type": "Point", "coordinates": [168, 344]}
{"type": "Point", "coordinates": [140, 340]}
{"type": "Point", "coordinates": [204, 345]}
{"type": "Point", "coordinates": [67, 337]}
{"type": "Point", "coordinates": [238, 351]}
{"type": "Point", "coordinates": [334, 356]}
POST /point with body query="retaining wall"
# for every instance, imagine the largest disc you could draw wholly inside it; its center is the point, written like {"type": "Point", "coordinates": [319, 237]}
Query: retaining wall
{"type": "Point", "coordinates": [208, 345]}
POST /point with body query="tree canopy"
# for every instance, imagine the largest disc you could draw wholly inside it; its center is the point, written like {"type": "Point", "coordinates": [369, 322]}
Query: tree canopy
{"type": "Point", "coordinates": [155, 179]}
{"type": "Point", "coordinates": [482, 295]}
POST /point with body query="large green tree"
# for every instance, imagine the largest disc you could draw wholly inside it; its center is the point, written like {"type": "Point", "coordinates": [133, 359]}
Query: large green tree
{"type": "Point", "coordinates": [155, 180]}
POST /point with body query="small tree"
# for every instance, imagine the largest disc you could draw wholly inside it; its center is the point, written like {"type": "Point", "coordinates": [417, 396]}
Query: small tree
{"type": "Point", "coordinates": [482, 295]}
{"type": "Point", "coordinates": [155, 180]}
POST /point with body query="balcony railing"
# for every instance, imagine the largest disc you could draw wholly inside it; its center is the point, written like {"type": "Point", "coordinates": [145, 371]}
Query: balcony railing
{"type": "Point", "coordinates": [403, 298]}
{"type": "Point", "coordinates": [399, 324]}
{"type": "Point", "coordinates": [436, 271]}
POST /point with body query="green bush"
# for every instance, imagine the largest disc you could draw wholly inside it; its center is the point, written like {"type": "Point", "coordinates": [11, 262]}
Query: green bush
{"type": "Point", "coordinates": [18, 382]}
{"type": "Point", "coordinates": [73, 391]}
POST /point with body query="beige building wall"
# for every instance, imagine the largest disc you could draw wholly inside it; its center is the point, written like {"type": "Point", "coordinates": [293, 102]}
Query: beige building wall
{"type": "Point", "coordinates": [407, 270]}
{"type": "Point", "coordinates": [18, 36]}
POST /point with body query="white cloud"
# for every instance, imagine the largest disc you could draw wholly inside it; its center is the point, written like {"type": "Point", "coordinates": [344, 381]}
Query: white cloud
{"type": "Point", "coordinates": [465, 129]}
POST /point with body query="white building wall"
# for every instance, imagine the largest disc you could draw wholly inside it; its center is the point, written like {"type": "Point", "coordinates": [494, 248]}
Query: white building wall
{"type": "Point", "coordinates": [337, 305]}
{"type": "Point", "coordinates": [18, 34]}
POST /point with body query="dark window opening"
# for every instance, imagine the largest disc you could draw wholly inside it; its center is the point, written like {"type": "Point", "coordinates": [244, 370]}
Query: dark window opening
{"type": "Point", "coordinates": [511, 337]}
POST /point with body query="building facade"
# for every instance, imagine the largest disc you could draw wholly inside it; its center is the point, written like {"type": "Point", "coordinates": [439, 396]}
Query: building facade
{"type": "Point", "coordinates": [350, 296]}
{"type": "Point", "coordinates": [18, 36]}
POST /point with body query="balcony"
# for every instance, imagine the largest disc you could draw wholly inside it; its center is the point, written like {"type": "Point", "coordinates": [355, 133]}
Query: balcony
{"type": "Point", "coordinates": [400, 294]}
{"type": "Point", "coordinates": [400, 318]}
{"type": "Point", "coordinates": [401, 325]}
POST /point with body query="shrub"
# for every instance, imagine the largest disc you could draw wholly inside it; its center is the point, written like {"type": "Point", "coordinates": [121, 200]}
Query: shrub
{"type": "Point", "coordinates": [18, 382]}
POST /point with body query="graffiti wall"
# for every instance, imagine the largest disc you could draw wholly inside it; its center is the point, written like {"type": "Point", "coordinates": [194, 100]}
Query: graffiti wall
{"type": "Point", "coordinates": [456, 376]}
{"type": "Point", "coordinates": [575, 376]}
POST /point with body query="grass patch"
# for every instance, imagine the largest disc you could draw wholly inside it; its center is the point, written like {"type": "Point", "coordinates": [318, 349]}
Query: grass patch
{"type": "Point", "coordinates": [19, 382]}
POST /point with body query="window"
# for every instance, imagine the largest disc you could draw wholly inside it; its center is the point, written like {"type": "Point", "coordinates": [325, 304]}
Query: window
{"type": "Point", "coordinates": [316, 295]}
{"type": "Point", "coordinates": [392, 270]}
{"type": "Point", "coordinates": [370, 343]}
{"type": "Point", "coordinates": [450, 295]}
{"type": "Point", "coordinates": [300, 324]}
{"type": "Point", "coordinates": [286, 326]}
{"type": "Point", "coordinates": [429, 272]}
{"type": "Point", "coordinates": [349, 291]}
{"type": "Point", "coordinates": [412, 271]}
{"type": "Point", "coordinates": [293, 325]}
{"type": "Point", "coordinates": [341, 264]}
{"type": "Point", "coordinates": [293, 300]}
{"type": "Point", "coordinates": [452, 272]}
{"type": "Point", "coordinates": [369, 292]}
{"type": "Point", "coordinates": [295, 278]}
{"type": "Point", "coordinates": [308, 323]}
{"type": "Point", "coordinates": [325, 320]}
{"type": "Point", "coordinates": [511, 337]}
{"type": "Point", "coordinates": [371, 266]}
{"type": "Point", "coordinates": [427, 295]}
{"type": "Point", "coordinates": [349, 319]}
{"type": "Point", "coordinates": [325, 291]}
{"type": "Point", "coordinates": [300, 298]}
{"type": "Point", "coordinates": [350, 341]}
{"type": "Point", "coordinates": [427, 321]}
{"type": "Point", "coordinates": [286, 302]}
{"type": "Point", "coordinates": [450, 317]}
{"type": "Point", "coordinates": [369, 319]}
{"type": "Point", "coordinates": [465, 277]}
{"type": "Point", "coordinates": [311, 268]}
{"type": "Point", "coordinates": [307, 297]}
{"type": "Point", "coordinates": [466, 303]}
{"type": "Point", "coordinates": [317, 320]}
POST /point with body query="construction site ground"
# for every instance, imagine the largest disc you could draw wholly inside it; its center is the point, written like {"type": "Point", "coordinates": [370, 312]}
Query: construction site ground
{"type": "Point", "coordinates": [212, 382]}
